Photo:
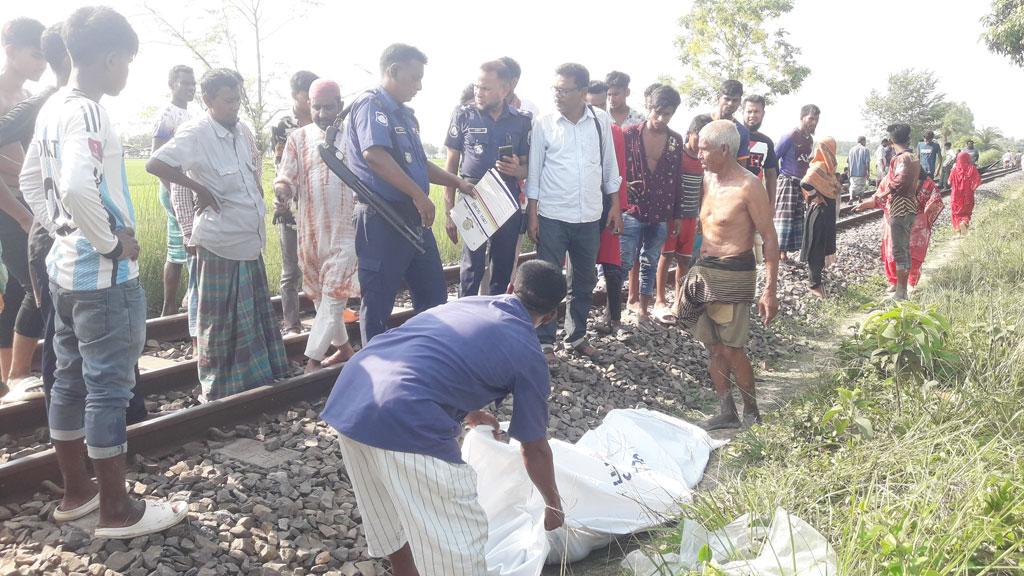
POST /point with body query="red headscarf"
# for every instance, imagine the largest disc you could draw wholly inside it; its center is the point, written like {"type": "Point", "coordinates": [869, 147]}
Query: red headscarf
{"type": "Point", "coordinates": [965, 175]}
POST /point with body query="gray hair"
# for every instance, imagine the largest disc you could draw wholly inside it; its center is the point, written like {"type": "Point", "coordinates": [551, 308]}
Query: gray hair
{"type": "Point", "coordinates": [721, 133]}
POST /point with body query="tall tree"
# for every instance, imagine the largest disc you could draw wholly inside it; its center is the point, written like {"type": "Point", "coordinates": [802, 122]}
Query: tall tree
{"type": "Point", "coordinates": [1004, 29]}
{"type": "Point", "coordinates": [957, 122]}
{"type": "Point", "coordinates": [723, 39]}
{"type": "Point", "coordinates": [988, 138]}
{"type": "Point", "coordinates": [234, 34]}
{"type": "Point", "coordinates": [912, 98]}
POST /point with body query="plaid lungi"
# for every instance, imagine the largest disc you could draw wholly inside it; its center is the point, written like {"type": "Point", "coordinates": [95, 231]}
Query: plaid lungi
{"type": "Point", "coordinates": [789, 213]}
{"type": "Point", "coordinates": [239, 346]}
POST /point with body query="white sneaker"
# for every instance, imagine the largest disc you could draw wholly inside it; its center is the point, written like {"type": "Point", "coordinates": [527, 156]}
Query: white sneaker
{"type": "Point", "coordinates": [24, 389]}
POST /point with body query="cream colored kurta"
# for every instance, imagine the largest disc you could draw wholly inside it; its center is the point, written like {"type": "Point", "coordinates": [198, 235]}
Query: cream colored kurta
{"type": "Point", "coordinates": [326, 233]}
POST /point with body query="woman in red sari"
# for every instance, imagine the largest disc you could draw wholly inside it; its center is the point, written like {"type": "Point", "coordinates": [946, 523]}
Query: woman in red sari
{"type": "Point", "coordinates": [964, 179]}
{"type": "Point", "coordinates": [929, 206]}
{"type": "Point", "coordinates": [609, 253]}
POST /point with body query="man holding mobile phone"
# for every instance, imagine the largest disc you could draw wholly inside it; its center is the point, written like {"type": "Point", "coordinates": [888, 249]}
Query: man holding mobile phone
{"type": "Point", "coordinates": [488, 134]}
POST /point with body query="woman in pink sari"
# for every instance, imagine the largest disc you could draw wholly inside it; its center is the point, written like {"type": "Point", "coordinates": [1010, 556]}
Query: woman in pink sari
{"type": "Point", "coordinates": [964, 179]}
{"type": "Point", "coordinates": [929, 206]}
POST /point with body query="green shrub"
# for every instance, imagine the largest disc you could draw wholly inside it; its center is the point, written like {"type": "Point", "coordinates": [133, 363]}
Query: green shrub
{"type": "Point", "coordinates": [989, 156]}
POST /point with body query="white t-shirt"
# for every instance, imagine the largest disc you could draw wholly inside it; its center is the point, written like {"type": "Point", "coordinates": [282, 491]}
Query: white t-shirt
{"type": "Point", "coordinates": [74, 179]}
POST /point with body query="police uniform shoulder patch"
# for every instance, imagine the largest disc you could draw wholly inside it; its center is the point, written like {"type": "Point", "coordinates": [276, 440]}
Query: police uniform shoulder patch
{"type": "Point", "coordinates": [381, 118]}
{"type": "Point", "coordinates": [454, 131]}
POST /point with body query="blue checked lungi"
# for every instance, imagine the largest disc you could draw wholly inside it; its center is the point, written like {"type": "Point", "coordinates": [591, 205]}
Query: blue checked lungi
{"type": "Point", "coordinates": [239, 346]}
{"type": "Point", "coordinates": [789, 214]}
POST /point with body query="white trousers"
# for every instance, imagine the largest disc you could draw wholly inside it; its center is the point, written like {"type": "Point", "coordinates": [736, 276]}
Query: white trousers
{"type": "Point", "coordinates": [328, 327]}
{"type": "Point", "coordinates": [424, 501]}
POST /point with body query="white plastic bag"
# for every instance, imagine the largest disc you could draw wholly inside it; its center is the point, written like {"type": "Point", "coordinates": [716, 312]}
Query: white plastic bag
{"type": "Point", "coordinates": [628, 475]}
{"type": "Point", "coordinates": [789, 547]}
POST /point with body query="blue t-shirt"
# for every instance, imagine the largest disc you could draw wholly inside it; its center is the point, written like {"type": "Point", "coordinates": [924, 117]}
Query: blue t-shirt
{"type": "Point", "coordinates": [477, 135]}
{"type": "Point", "coordinates": [929, 156]}
{"type": "Point", "coordinates": [743, 153]}
{"type": "Point", "coordinates": [377, 119]}
{"type": "Point", "coordinates": [411, 387]}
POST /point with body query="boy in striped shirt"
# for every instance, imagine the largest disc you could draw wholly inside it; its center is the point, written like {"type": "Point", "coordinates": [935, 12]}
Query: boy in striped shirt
{"type": "Point", "coordinates": [74, 180]}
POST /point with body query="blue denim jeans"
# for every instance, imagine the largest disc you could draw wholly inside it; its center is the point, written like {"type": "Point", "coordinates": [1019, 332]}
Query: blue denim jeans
{"type": "Point", "coordinates": [98, 337]}
{"type": "Point", "coordinates": [581, 242]}
{"type": "Point", "coordinates": [645, 241]}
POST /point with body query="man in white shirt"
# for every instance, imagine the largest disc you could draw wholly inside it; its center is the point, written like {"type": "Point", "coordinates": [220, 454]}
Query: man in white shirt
{"type": "Point", "coordinates": [238, 343]}
{"type": "Point", "coordinates": [573, 174]}
{"type": "Point", "coordinates": [74, 180]}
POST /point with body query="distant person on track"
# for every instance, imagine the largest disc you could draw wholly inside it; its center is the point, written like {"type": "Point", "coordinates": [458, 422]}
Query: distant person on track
{"type": "Point", "coordinates": [883, 156]}
{"type": "Point", "coordinates": [858, 160]}
{"type": "Point", "coordinates": [763, 160]}
{"type": "Point", "coordinates": [383, 148]}
{"type": "Point", "coordinates": [291, 274]}
{"type": "Point", "coordinates": [899, 190]}
{"type": "Point", "coordinates": [928, 154]}
{"type": "Point", "coordinates": [975, 154]}
{"type": "Point", "coordinates": [730, 93]}
{"type": "Point", "coordinates": [326, 237]}
{"type": "Point", "coordinates": [476, 137]}
{"type": "Point", "coordinates": [564, 190]}
{"type": "Point", "coordinates": [714, 300]}
{"type": "Point", "coordinates": [21, 324]}
{"type": "Point", "coordinates": [609, 251]}
{"type": "Point", "coordinates": [239, 345]}
{"type": "Point", "coordinates": [949, 155]}
{"type": "Point", "coordinates": [620, 111]}
{"type": "Point", "coordinates": [678, 248]}
{"type": "Point", "coordinates": [399, 407]}
{"type": "Point", "coordinates": [821, 190]}
{"type": "Point", "coordinates": [100, 304]}
{"type": "Point", "coordinates": [517, 103]}
{"type": "Point", "coordinates": [175, 199]}
{"type": "Point", "coordinates": [654, 160]}
{"type": "Point", "coordinates": [794, 153]}
{"type": "Point", "coordinates": [964, 180]}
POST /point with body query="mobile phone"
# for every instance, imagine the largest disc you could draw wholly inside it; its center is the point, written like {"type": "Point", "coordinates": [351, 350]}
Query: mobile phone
{"type": "Point", "coordinates": [506, 151]}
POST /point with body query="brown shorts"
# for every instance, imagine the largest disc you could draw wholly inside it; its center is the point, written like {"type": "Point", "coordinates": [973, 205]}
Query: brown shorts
{"type": "Point", "coordinates": [723, 323]}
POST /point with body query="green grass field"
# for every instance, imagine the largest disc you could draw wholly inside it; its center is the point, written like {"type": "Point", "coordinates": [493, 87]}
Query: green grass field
{"type": "Point", "coordinates": [151, 230]}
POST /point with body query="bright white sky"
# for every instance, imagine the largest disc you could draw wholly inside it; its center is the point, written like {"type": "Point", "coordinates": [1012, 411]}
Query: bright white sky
{"type": "Point", "coordinates": [847, 51]}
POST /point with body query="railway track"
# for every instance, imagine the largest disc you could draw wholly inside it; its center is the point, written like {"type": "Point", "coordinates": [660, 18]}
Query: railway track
{"type": "Point", "coordinates": [24, 474]}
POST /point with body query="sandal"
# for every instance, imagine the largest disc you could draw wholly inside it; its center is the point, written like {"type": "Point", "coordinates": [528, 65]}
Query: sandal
{"type": "Point", "coordinates": [23, 390]}
{"type": "Point", "coordinates": [76, 513]}
{"type": "Point", "coordinates": [664, 315]}
{"type": "Point", "coordinates": [159, 516]}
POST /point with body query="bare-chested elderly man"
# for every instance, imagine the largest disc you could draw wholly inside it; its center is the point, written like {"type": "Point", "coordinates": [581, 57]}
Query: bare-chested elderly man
{"type": "Point", "coordinates": [714, 300]}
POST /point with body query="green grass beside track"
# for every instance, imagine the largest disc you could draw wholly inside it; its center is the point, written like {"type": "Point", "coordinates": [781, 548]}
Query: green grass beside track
{"type": "Point", "coordinates": [938, 486]}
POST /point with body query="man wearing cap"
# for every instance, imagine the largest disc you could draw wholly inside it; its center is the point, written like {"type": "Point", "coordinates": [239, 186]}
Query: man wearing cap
{"type": "Point", "coordinates": [488, 134]}
{"type": "Point", "coordinates": [326, 236]}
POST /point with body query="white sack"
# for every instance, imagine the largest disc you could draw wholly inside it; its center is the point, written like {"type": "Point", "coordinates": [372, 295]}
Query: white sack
{"type": "Point", "coordinates": [627, 475]}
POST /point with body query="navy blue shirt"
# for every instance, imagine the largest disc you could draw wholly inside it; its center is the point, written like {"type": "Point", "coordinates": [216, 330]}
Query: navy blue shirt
{"type": "Point", "coordinates": [376, 119]}
{"type": "Point", "coordinates": [477, 135]}
{"type": "Point", "coordinates": [409, 389]}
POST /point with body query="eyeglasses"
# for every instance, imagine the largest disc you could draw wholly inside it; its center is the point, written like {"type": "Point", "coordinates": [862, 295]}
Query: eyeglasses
{"type": "Point", "coordinates": [563, 92]}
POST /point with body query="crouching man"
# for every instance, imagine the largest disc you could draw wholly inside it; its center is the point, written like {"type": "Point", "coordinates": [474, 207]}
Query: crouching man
{"type": "Point", "coordinates": [399, 405]}
{"type": "Point", "coordinates": [714, 298]}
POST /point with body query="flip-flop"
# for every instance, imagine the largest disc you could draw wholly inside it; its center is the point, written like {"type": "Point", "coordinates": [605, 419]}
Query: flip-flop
{"type": "Point", "coordinates": [664, 315]}
{"type": "Point", "coordinates": [76, 513]}
{"type": "Point", "coordinates": [159, 516]}
{"type": "Point", "coordinates": [23, 389]}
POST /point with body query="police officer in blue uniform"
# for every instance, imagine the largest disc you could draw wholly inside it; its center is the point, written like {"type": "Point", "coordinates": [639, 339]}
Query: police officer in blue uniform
{"type": "Point", "coordinates": [383, 148]}
{"type": "Point", "coordinates": [489, 134]}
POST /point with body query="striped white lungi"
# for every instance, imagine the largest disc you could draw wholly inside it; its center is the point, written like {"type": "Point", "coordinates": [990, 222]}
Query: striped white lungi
{"type": "Point", "coordinates": [425, 501]}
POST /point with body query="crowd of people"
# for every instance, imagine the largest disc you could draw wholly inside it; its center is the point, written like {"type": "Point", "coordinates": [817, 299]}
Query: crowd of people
{"type": "Point", "coordinates": [608, 190]}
